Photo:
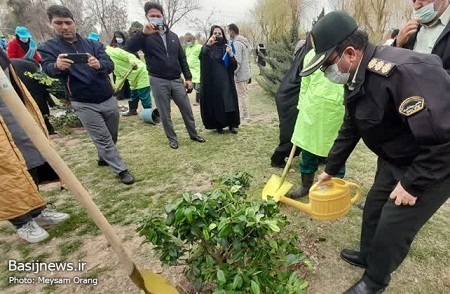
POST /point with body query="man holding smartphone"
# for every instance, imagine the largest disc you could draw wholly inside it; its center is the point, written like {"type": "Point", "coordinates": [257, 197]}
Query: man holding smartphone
{"type": "Point", "coordinates": [87, 84]}
{"type": "Point", "coordinates": [166, 61]}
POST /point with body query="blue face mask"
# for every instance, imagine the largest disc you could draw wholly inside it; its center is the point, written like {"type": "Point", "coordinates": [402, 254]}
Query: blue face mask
{"type": "Point", "coordinates": [426, 13]}
{"type": "Point", "coordinates": [158, 20]}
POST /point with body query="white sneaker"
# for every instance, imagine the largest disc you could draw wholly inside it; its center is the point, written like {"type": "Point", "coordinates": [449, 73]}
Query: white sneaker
{"type": "Point", "coordinates": [50, 216]}
{"type": "Point", "coordinates": [32, 232]}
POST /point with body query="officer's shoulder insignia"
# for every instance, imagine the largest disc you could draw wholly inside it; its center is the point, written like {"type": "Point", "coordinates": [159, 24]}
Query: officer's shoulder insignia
{"type": "Point", "coordinates": [381, 67]}
{"type": "Point", "coordinates": [411, 105]}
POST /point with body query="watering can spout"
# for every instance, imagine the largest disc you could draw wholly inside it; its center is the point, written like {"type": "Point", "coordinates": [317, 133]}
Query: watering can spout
{"type": "Point", "coordinates": [303, 207]}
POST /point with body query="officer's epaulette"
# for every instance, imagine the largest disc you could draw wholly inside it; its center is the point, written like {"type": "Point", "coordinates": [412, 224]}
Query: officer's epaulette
{"type": "Point", "coordinates": [381, 67]}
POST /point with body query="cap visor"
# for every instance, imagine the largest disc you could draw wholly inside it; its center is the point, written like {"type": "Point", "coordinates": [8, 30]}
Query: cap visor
{"type": "Point", "coordinates": [24, 36]}
{"type": "Point", "coordinates": [316, 62]}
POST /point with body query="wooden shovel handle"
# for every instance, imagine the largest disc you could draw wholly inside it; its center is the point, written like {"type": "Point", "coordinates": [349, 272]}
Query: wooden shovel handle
{"type": "Point", "coordinates": [119, 86]}
{"type": "Point", "coordinates": [288, 164]}
{"type": "Point", "coordinates": [34, 132]}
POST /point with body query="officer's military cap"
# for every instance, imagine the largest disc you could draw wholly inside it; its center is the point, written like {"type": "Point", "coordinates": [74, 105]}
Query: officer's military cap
{"type": "Point", "coordinates": [326, 34]}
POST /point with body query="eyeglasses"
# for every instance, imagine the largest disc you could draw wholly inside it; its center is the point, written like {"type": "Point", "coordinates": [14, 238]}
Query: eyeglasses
{"type": "Point", "coordinates": [328, 63]}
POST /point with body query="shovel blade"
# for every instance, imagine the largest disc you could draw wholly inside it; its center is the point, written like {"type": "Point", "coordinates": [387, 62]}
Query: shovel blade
{"type": "Point", "coordinates": [276, 188]}
{"type": "Point", "coordinates": [156, 284]}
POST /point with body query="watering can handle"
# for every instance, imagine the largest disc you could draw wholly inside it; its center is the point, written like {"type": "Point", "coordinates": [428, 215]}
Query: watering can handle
{"type": "Point", "coordinates": [358, 192]}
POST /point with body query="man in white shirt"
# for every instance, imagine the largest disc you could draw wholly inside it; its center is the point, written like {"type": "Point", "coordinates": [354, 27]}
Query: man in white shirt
{"type": "Point", "coordinates": [428, 31]}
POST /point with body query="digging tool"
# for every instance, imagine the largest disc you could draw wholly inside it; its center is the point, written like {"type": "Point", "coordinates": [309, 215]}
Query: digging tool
{"type": "Point", "coordinates": [278, 186]}
{"type": "Point", "coordinates": [119, 86]}
{"type": "Point", "coordinates": [147, 281]}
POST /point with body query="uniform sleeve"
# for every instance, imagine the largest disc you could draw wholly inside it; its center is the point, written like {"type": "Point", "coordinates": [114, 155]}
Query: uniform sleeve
{"type": "Point", "coordinates": [429, 123]}
{"type": "Point", "coordinates": [343, 146]}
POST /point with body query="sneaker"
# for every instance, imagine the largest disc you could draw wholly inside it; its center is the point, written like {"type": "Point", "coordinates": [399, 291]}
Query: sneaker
{"type": "Point", "coordinates": [32, 232]}
{"type": "Point", "coordinates": [50, 216]}
{"type": "Point", "coordinates": [126, 177]}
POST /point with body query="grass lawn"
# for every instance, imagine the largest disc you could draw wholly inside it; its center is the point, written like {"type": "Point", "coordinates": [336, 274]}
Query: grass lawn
{"type": "Point", "coordinates": [163, 174]}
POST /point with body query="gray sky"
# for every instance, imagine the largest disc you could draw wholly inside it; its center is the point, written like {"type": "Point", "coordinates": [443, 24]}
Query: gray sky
{"type": "Point", "coordinates": [226, 12]}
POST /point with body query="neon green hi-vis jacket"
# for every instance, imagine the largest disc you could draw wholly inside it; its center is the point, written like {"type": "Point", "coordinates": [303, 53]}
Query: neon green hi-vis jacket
{"type": "Point", "coordinates": [321, 112]}
{"type": "Point", "coordinates": [192, 56]}
{"type": "Point", "coordinates": [123, 60]}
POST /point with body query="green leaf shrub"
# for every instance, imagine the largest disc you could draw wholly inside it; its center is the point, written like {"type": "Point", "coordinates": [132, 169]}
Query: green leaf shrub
{"type": "Point", "coordinates": [227, 243]}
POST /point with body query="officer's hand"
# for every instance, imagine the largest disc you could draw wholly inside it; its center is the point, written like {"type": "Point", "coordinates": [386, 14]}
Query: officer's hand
{"type": "Point", "coordinates": [406, 31]}
{"type": "Point", "coordinates": [93, 62]}
{"type": "Point", "coordinates": [62, 62]}
{"type": "Point", "coordinates": [188, 85]}
{"type": "Point", "coordinates": [402, 197]}
{"type": "Point", "coordinates": [323, 177]}
{"type": "Point", "coordinates": [150, 28]}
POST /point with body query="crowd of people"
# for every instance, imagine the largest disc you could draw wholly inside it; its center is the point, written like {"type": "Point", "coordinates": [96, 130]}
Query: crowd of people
{"type": "Point", "coordinates": [342, 88]}
{"type": "Point", "coordinates": [171, 70]}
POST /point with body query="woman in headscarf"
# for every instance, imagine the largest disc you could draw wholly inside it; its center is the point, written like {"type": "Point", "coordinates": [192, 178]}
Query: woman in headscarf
{"type": "Point", "coordinates": [22, 46]}
{"type": "Point", "coordinates": [219, 102]}
{"type": "Point", "coordinates": [119, 40]}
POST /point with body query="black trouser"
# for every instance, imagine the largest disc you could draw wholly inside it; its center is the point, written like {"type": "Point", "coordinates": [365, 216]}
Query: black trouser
{"type": "Point", "coordinates": [388, 230]}
{"type": "Point", "coordinates": [22, 220]}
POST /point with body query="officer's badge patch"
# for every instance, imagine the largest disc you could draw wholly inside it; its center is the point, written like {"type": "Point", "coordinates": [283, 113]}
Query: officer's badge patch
{"type": "Point", "coordinates": [381, 67]}
{"type": "Point", "coordinates": [412, 105]}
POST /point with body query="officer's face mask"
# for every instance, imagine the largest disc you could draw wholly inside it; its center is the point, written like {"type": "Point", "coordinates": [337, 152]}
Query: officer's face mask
{"type": "Point", "coordinates": [426, 13]}
{"type": "Point", "coordinates": [334, 75]}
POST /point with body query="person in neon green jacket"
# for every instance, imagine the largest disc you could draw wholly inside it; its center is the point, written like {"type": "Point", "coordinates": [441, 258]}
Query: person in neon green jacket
{"type": "Point", "coordinates": [321, 113]}
{"type": "Point", "coordinates": [138, 79]}
{"type": "Point", "coordinates": [193, 49]}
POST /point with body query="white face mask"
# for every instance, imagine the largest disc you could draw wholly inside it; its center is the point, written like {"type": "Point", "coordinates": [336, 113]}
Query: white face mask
{"type": "Point", "coordinates": [426, 13]}
{"type": "Point", "coordinates": [119, 40]}
{"type": "Point", "coordinates": [334, 75]}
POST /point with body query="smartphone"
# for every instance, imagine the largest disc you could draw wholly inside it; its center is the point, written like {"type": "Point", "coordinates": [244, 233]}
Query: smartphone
{"type": "Point", "coordinates": [78, 57]}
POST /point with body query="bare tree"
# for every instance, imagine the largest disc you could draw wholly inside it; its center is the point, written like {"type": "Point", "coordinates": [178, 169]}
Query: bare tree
{"type": "Point", "coordinates": [202, 25]}
{"type": "Point", "coordinates": [85, 18]}
{"type": "Point", "coordinates": [278, 18]}
{"type": "Point", "coordinates": [111, 15]}
{"type": "Point", "coordinates": [176, 10]}
{"type": "Point", "coordinates": [28, 13]}
{"type": "Point", "coordinates": [251, 31]}
{"type": "Point", "coordinates": [376, 17]}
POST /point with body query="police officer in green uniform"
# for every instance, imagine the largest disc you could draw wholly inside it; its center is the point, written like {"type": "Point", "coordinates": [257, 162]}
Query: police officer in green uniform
{"type": "Point", "coordinates": [396, 101]}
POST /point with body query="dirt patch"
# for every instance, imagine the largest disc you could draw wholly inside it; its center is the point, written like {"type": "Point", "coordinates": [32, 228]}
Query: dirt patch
{"type": "Point", "coordinates": [102, 264]}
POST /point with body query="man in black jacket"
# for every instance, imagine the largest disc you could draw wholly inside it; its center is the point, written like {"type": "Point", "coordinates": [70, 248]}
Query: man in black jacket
{"type": "Point", "coordinates": [166, 61]}
{"type": "Point", "coordinates": [394, 102]}
{"type": "Point", "coordinates": [88, 85]}
{"type": "Point", "coordinates": [429, 31]}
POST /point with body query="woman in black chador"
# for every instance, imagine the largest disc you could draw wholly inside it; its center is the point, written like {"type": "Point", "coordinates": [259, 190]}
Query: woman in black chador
{"type": "Point", "coordinates": [219, 102]}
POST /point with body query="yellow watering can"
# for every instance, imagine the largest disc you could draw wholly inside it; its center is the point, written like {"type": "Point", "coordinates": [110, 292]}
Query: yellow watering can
{"type": "Point", "coordinates": [327, 201]}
